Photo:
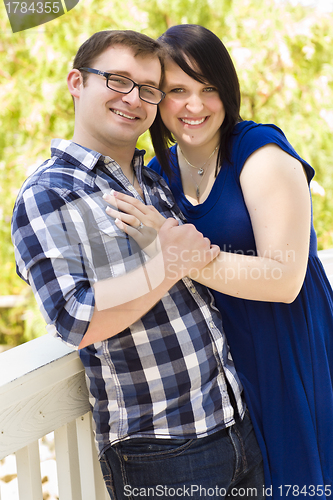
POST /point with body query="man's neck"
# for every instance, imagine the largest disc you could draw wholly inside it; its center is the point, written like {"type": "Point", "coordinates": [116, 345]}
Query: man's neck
{"type": "Point", "coordinates": [121, 154]}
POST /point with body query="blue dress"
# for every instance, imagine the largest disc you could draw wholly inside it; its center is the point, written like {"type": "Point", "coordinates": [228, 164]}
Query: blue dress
{"type": "Point", "coordinates": [283, 352]}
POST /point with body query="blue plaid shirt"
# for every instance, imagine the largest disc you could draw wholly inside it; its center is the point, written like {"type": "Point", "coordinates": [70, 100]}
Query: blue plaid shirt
{"type": "Point", "coordinates": [168, 375]}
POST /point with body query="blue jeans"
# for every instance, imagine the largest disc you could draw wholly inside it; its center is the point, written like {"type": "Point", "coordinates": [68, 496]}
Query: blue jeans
{"type": "Point", "coordinates": [227, 463]}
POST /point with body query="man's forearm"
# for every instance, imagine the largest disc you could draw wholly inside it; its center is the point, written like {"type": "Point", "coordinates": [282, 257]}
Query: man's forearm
{"type": "Point", "coordinates": [120, 302]}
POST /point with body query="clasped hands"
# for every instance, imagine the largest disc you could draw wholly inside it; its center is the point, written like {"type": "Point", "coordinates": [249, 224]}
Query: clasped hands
{"type": "Point", "coordinates": [184, 249]}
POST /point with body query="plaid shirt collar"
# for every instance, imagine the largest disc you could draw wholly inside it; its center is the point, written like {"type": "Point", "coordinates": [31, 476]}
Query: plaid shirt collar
{"type": "Point", "coordinates": [86, 158]}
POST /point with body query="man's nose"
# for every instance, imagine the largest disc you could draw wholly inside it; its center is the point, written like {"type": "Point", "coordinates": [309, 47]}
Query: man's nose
{"type": "Point", "coordinates": [133, 97]}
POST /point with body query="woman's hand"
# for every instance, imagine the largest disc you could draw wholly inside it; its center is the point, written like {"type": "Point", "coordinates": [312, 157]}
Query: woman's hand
{"type": "Point", "coordinates": [141, 222]}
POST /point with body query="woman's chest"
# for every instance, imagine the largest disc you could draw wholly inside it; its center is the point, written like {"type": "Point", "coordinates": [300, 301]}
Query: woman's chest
{"type": "Point", "coordinates": [224, 218]}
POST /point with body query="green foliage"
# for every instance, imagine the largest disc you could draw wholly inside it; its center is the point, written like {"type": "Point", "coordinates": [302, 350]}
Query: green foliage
{"type": "Point", "coordinates": [282, 55]}
{"type": "Point", "coordinates": [22, 322]}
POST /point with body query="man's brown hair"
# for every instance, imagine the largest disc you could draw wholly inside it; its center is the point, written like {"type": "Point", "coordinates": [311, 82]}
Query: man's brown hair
{"type": "Point", "coordinates": [142, 45]}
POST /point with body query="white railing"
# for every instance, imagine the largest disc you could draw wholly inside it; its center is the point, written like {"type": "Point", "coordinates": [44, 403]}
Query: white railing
{"type": "Point", "coordinates": [43, 389]}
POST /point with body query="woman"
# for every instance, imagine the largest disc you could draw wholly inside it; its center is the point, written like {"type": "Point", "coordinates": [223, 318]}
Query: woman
{"type": "Point", "coordinates": [246, 189]}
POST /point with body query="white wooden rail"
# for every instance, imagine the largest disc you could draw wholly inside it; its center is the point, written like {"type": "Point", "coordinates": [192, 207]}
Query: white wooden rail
{"type": "Point", "coordinates": [43, 389]}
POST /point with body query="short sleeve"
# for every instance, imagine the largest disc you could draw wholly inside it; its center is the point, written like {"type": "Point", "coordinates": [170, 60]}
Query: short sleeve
{"type": "Point", "coordinates": [251, 136]}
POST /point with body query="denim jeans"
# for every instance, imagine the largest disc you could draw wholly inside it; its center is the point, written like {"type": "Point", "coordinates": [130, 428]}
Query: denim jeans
{"type": "Point", "coordinates": [227, 463]}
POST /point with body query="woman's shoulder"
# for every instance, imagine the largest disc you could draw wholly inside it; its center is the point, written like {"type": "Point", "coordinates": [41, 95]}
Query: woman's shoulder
{"type": "Point", "coordinates": [253, 133]}
{"type": "Point", "coordinates": [249, 136]}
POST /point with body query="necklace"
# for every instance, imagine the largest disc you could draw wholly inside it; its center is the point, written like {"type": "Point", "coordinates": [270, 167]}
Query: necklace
{"type": "Point", "coordinates": [197, 186]}
{"type": "Point", "coordinates": [200, 170]}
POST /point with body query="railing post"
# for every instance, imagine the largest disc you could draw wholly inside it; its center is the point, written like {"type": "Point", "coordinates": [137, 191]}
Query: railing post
{"type": "Point", "coordinates": [67, 459]}
{"type": "Point", "coordinates": [28, 473]}
{"type": "Point", "coordinates": [92, 483]}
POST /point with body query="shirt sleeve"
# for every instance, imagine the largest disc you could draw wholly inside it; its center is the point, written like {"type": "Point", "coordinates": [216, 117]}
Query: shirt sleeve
{"type": "Point", "coordinates": [62, 247]}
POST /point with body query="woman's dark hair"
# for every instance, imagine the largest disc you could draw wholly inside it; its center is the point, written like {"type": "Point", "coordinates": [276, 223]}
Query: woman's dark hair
{"type": "Point", "coordinates": [188, 44]}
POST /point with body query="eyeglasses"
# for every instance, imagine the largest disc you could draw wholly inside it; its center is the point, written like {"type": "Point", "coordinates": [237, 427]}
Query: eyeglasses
{"type": "Point", "coordinates": [125, 85]}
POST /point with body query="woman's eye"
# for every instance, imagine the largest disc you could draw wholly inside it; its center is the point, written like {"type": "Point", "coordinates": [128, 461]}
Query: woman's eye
{"type": "Point", "coordinates": [176, 90]}
{"type": "Point", "coordinates": [210, 89]}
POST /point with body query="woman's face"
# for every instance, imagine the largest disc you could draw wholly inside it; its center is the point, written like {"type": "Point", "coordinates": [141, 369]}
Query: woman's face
{"type": "Point", "coordinates": [191, 110]}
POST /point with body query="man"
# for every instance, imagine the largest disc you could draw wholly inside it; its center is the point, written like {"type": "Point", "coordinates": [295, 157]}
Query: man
{"type": "Point", "coordinates": [167, 402]}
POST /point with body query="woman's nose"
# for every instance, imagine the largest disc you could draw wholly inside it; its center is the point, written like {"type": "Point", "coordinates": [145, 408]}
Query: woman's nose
{"type": "Point", "coordinates": [194, 103]}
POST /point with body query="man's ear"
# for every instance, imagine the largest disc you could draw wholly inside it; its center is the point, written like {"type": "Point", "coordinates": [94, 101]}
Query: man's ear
{"type": "Point", "coordinates": [74, 82]}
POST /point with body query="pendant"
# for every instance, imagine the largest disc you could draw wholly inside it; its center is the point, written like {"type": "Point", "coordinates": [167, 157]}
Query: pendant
{"type": "Point", "coordinates": [200, 171]}
{"type": "Point", "coordinates": [198, 193]}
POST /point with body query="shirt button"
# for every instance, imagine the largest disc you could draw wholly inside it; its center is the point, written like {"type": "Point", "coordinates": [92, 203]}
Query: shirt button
{"type": "Point", "coordinates": [212, 324]}
{"type": "Point", "coordinates": [193, 289]}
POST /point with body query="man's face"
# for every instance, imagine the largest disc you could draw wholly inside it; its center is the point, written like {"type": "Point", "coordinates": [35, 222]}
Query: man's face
{"type": "Point", "coordinates": [106, 119]}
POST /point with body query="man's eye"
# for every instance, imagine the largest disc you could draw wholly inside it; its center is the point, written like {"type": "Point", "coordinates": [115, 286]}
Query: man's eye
{"type": "Point", "coordinates": [149, 90]}
{"type": "Point", "coordinates": [118, 81]}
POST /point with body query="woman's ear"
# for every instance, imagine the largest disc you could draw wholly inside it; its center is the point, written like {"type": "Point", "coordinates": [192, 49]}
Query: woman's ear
{"type": "Point", "coordinates": [74, 82]}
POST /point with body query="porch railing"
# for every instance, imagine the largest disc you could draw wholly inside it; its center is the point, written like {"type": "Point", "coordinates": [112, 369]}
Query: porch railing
{"type": "Point", "coordinates": [43, 389]}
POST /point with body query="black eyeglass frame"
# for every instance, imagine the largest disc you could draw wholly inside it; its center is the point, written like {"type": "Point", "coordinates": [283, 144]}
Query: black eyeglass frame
{"type": "Point", "coordinates": [108, 75]}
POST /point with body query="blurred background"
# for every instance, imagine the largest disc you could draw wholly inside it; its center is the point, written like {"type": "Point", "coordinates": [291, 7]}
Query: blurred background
{"type": "Point", "coordinates": [282, 50]}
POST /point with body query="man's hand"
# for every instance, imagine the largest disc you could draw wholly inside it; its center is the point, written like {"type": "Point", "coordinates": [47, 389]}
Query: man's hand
{"type": "Point", "coordinates": [184, 249]}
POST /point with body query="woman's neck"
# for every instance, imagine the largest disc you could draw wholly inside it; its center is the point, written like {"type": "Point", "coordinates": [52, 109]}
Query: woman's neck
{"type": "Point", "coordinates": [198, 156]}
